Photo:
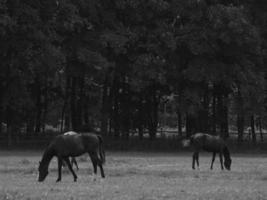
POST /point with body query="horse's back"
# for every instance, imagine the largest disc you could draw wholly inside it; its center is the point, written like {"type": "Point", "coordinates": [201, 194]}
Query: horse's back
{"type": "Point", "coordinates": [69, 145]}
{"type": "Point", "coordinates": [75, 144]}
{"type": "Point", "coordinates": [207, 142]}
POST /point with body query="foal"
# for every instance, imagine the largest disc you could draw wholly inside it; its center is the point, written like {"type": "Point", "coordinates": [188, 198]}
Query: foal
{"type": "Point", "coordinates": [210, 143]}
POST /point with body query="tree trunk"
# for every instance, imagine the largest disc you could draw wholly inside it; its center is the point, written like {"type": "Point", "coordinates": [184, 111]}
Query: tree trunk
{"type": "Point", "coordinates": [253, 133]}
{"type": "Point", "coordinates": [9, 117]}
{"type": "Point", "coordinates": [110, 126]}
{"type": "Point", "coordinates": [214, 116]}
{"type": "Point", "coordinates": [205, 110]}
{"type": "Point", "coordinates": [38, 118]}
{"type": "Point", "coordinates": [220, 114]}
{"type": "Point", "coordinates": [223, 113]}
{"type": "Point", "coordinates": [1, 109]}
{"type": "Point", "coordinates": [86, 114]}
{"type": "Point", "coordinates": [1, 117]}
{"type": "Point", "coordinates": [187, 126]}
{"type": "Point", "coordinates": [140, 132]}
{"type": "Point", "coordinates": [190, 125]}
{"type": "Point", "coordinates": [153, 112]}
{"type": "Point", "coordinates": [260, 128]}
{"type": "Point", "coordinates": [30, 126]}
{"type": "Point", "coordinates": [179, 116]}
{"type": "Point", "coordinates": [116, 124]}
{"type": "Point", "coordinates": [240, 127]}
{"type": "Point", "coordinates": [104, 109]}
{"type": "Point", "coordinates": [45, 106]}
{"type": "Point", "coordinates": [240, 116]}
{"type": "Point", "coordinates": [225, 117]}
{"type": "Point", "coordinates": [9, 136]}
{"type": "Point", "coordinates": [64, 113]}
{"type": "Point", "coordinates": [79, 102]}
{"type": "Point", "coordinates": [140, 118]}
{"type": "Point", "coordinates": [73, 107]}
{"type": "Point", "coordinates": [126, 108]}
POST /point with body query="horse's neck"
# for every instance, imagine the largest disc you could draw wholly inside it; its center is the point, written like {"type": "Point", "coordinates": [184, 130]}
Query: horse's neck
{"type": "Point", "coordinates": [48, 155]}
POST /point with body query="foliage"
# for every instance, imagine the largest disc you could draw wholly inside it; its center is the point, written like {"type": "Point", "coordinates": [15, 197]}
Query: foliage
{"type": "Point", "coordinates": [116, 62]}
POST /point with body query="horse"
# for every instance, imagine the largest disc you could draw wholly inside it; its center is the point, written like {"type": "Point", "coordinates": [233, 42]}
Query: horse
{"type": "Point", "coordinates": [209, 143]}
{"type": "Point", "coordinates": [65, 146]}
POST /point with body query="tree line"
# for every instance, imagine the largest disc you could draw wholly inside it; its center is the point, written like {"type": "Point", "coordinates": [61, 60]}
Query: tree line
{"type": "Point", "coordinates": [112, 65]}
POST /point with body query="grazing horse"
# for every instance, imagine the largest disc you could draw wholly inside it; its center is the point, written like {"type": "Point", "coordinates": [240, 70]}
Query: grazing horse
{"type": "Point", "coordinates": [209, 143]}
{"type": "Point", "coordinates": [65, 146]}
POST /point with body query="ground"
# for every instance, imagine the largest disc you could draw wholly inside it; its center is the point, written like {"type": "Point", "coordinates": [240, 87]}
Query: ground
{"type": "Point", "coordinates": [136, 176]}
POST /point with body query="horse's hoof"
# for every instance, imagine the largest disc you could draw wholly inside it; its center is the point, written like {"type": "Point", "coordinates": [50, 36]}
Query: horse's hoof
{"type": "Point", "coordinates": [58, 180]}
{"type": "Point", "coordinates": [94, 177]}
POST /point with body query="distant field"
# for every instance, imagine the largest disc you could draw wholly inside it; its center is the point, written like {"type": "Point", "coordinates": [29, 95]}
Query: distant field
{"type": "Point", "coordinates": [137, 176]}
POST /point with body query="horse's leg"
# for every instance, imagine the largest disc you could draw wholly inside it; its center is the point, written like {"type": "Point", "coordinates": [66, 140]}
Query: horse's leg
{"type": "Point", "coordinates": [197, 159]}
{"type": "Point", "coordinates": [101, 170]}
{"type": "Point", "coordinates": [99, 162]}
{"type": "Point", "coordinates": [221, 160]}
{"type": "Point", "coordinates": [193, 161]}
{"type": "Point", "coordinates": [59, 162]}
{"type": "Point", "coordinates": [73, 161]}
{"type": "Point", "coordinates": [66, 159]}
{"type": "Point", "coordinates": [213, 159]}
{"type": "Point", "coordinates": [93, 157]}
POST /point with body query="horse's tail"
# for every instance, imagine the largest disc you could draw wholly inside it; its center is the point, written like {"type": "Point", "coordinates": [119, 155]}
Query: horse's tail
{"type": "Point", "coordinates": [101, 149]}
{"type": "Point", "coordinates": [226, 153]}
{"type": "Point", "coordinates": [227, 158]}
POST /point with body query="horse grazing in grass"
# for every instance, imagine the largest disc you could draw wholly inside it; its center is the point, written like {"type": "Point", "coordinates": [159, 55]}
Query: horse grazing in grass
{"type": "Point", "coordinates": [209, 143]}
{"type": "Point", "coordinates": [72, 145]}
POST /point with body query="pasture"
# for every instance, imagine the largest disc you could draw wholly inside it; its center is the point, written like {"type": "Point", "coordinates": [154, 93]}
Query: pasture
{"type": "Point", "coordinates": [136, 176]}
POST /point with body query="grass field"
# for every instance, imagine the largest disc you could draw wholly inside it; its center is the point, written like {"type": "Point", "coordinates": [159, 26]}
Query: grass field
{"type": "Point", "coordinates": [136, 176]}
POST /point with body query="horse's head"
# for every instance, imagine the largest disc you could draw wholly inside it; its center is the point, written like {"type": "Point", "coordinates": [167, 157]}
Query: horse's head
{"type": "Point", "coordinates": [227, 163]}
{"type": "Point", "coordinates": [43, 172]}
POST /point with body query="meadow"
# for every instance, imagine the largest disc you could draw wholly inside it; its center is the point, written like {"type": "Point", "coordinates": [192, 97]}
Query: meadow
{"type": "Point", "coordinates": [136, 176]}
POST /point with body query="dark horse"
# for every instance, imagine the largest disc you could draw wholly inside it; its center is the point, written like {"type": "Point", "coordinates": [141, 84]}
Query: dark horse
{"type": "Point", "coordinates": [65, 146]}
{"type": "Point", "coordinates": [210, 143]}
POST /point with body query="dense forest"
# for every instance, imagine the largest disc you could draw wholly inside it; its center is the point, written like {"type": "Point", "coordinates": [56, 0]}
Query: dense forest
{"type": "Point", "coordinates": [119, 66]}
